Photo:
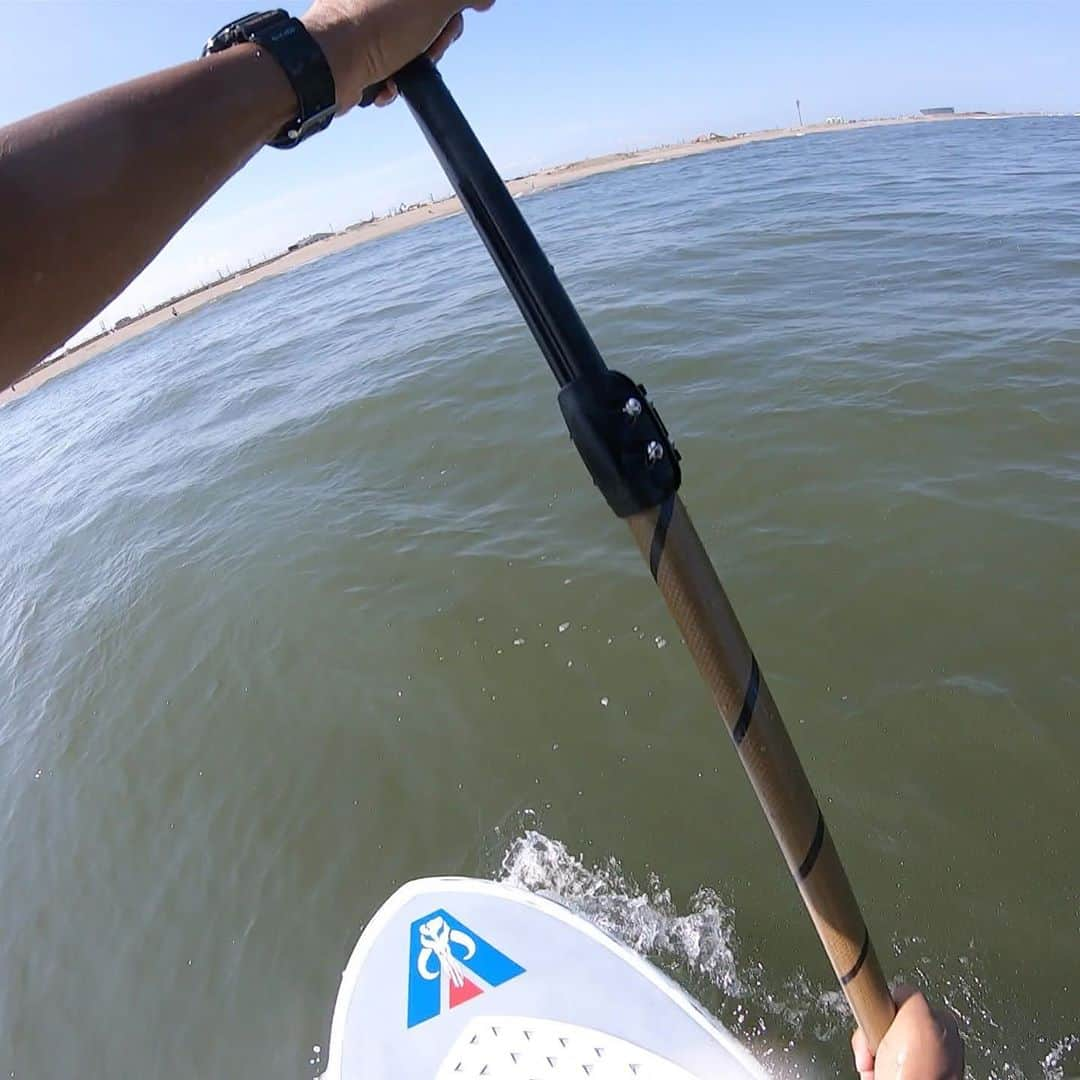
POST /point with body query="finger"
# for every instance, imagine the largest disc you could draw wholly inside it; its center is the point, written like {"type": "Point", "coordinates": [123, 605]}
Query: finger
{"type": "Point", "coordinates": [954, 1044]}
{"type": "Point", "coordinates": [949, 1026]}
{"type": "Point", "coordinates": [860, 1048]}
{"type": "Point", "coordinates": [948, 1021]}
{"type": "Point", "coordinates": [451, 32]}
{"type": "Point", "coordinates": [387, 95]}
{"type": "Point", "coordinates": [901, 993]}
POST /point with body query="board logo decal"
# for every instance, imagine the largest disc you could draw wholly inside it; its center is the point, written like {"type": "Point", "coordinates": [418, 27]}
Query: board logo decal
{"type": "Point", "coordinates": [449, 965]}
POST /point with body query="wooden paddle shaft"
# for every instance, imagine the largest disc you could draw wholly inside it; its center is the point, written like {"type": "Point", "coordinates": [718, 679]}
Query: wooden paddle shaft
{"type": "Point", "coordinates": [697, 600]}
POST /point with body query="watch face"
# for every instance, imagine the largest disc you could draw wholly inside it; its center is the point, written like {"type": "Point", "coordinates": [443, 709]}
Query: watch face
{"type": "Point", "coordinates": [252, 24]}
{"type": "Point", "coordinates": [240, 30]}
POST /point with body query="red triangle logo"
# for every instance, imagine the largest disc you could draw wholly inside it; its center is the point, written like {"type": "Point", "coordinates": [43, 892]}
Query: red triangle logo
{"type": "Point", "coordinates": [465, 992]}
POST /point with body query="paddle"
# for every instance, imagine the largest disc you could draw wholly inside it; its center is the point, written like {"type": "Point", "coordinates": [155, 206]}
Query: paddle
{"type": "Point", "coordinates": [630, 456]}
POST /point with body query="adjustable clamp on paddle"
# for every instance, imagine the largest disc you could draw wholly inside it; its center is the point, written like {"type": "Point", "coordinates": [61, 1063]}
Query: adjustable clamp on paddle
{"type": "Point", "coordinates": [622, 441]}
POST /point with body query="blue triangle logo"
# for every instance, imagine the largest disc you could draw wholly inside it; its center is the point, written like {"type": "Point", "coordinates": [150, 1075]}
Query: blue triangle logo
{"type": "Point", "coordinates": [444, 951]}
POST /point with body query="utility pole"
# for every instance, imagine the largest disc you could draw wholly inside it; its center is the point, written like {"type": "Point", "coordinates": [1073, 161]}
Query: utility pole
{"type": "Point", "coordinates": [798, 109]}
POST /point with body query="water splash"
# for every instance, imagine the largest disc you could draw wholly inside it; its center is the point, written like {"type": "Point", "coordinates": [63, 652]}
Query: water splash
{"type": "Point", "coordinates": [1063, 1061]}
{"type": "Point", "coordinates": [646, 919]}
{"type": "Point", "coordinates": [700, 948]}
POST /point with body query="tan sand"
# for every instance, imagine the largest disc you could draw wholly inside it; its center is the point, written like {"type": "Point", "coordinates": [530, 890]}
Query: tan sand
{"type": "Point", "coordinates": [408, 219]}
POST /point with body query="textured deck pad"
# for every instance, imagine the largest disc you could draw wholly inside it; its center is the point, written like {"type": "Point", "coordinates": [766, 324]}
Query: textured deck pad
{"type": "Point", "coordinates": [523, 1048]}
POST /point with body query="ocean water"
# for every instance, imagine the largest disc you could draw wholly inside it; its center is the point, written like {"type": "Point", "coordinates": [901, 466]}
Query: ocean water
{"type": "Point", "coordinates": [306, 594]}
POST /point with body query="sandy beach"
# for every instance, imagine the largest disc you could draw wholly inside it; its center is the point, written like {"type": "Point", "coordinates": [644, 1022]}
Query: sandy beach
{"type": "Point", "coordinates": [367, 231]}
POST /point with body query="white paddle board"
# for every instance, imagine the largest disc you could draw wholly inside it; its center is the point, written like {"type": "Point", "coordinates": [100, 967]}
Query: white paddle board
{"type": "Point", "coordinates": [456, 978]}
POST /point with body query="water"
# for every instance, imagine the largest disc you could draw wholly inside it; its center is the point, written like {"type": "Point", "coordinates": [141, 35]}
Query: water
{"type": "Point", "coordinates": [306, 594]}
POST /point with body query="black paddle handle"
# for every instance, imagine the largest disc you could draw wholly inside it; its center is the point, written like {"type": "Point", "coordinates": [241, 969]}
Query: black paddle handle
{"type": "Point", "coordinates": [551, 316]}
{"type": "Point", "coordinates": [616, 430]}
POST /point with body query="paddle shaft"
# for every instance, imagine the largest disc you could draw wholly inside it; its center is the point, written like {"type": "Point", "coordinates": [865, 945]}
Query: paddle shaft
{"type": "Point", "coordinates": [676, 557]}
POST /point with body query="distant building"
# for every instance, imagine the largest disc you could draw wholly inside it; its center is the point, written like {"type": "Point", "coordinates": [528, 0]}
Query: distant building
{"type": "Point", "coordinates": [939, 110]}
{"type": "Point", "coordinates": [314, 238]}
{"type": "Point", "coordinates": [835, 120]}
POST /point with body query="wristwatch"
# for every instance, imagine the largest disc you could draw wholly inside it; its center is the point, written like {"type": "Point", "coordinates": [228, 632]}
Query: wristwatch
{"type": "Point", "coordinates": [287, 40]}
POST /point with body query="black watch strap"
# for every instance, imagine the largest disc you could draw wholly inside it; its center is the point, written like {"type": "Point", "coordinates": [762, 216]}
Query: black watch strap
{"type": "Point", "coordinates": [287, 40]}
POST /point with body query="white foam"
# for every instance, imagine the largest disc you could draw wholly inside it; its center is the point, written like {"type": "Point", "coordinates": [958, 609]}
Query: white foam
{"type": "Point", "coordinates": [702, 939]}
{"type": "Point", "coordinates": [699, 946]}
{"type": "Point", "coordinates": [1065, 1054]}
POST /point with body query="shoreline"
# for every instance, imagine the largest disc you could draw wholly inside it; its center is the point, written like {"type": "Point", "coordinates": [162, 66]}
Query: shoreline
{"type": "Point", "coordinates": [414, 216]}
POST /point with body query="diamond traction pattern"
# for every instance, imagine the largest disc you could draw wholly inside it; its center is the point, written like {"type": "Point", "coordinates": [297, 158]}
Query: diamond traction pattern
{"type": "Point", "coordinates": [519, 1048]}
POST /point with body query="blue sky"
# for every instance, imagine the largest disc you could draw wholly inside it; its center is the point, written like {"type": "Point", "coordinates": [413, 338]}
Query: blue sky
{"type": "Point", "coordinates": [548, 81]}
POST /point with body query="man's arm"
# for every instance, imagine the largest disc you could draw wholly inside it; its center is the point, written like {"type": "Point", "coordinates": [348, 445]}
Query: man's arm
{"type": "Point", "coordinates": [94, 189]}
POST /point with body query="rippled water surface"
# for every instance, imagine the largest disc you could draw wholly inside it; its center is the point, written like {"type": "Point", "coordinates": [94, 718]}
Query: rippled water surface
{"type": "Point", "coordinates": [306, 594]}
